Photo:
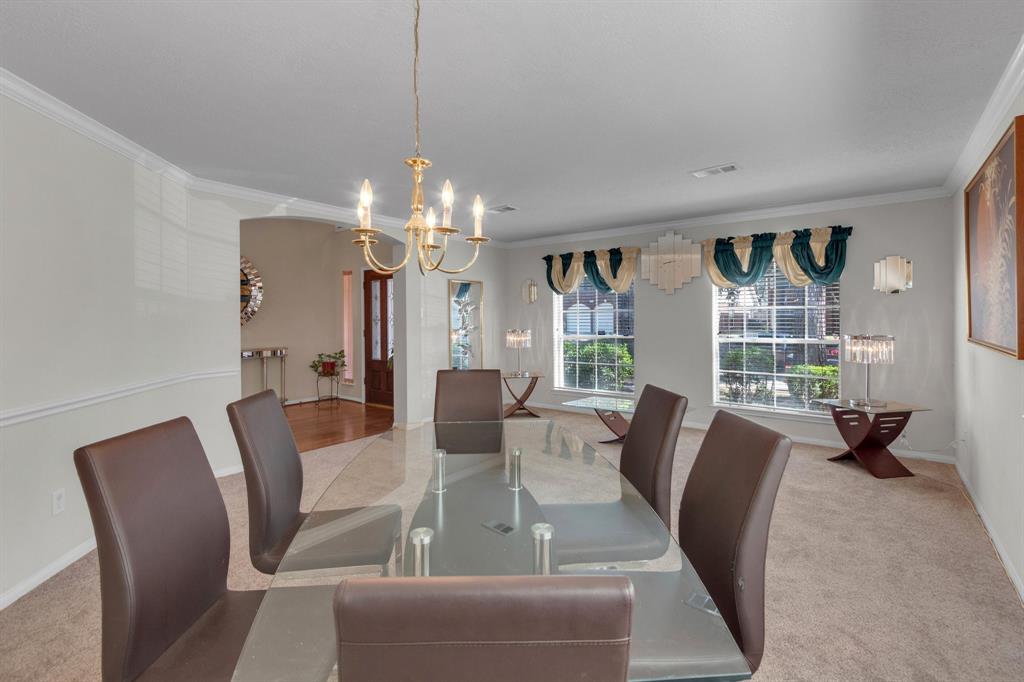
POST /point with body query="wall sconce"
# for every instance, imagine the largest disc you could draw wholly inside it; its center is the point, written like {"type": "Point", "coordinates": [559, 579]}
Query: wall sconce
{"type": "Point", "coordinates": [529, 291]}
{"type": "Point", "coordinates": [893, 275]}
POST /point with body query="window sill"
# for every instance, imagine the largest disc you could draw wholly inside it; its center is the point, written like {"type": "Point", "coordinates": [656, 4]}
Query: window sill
{"type": "Point", "coordinates": [768, 413]}
{"type": "Point", "coordinates": [583, 391]}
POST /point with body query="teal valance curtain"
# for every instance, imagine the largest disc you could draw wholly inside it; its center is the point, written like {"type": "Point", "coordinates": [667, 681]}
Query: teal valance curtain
{"type": "Point", "coordinates": [814, 256]}
{"type": "Point", "coordinates": [564, 272]}
{"type": "Point", "coordinates": [759, 259]}
{"type": "Point", "coordinates": [835, 255]}
{"type": "Point", "coordinates": [593, 272]}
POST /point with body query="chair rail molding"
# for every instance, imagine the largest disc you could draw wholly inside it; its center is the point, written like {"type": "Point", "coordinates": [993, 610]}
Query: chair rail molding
{"type": "Point", "coordinates": [19, 415]}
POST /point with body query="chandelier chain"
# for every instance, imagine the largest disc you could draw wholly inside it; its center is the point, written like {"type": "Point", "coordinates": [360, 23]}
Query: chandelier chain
{"type": "Point", "coordinates": [416, 72]}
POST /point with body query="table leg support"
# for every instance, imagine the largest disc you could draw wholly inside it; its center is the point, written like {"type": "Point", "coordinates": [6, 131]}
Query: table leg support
{"type": "Point", "coordinates": [868, 439]}
{"type": "Point", "coordinates": [618, 424]}
{"type": "Point", "coordinates": [520, 400]}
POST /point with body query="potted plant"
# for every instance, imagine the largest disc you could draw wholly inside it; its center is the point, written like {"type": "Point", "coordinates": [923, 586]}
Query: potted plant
{"type": "Point", "coordinates": [328, 364]}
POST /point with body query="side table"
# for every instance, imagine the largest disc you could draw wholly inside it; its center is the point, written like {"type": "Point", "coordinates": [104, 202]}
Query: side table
{"type": "Point", "coordinates": [609, 410]}
{"type": "Point", "coordinates": [868, 431]}
{"type": "Point", "coordinates": [265, 354]}
{"type": "Point", "coordinates": [520, 400]}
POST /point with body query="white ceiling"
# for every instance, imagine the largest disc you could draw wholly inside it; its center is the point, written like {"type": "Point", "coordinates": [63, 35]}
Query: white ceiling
{"type": "Point", "coordinates": [584, 115]}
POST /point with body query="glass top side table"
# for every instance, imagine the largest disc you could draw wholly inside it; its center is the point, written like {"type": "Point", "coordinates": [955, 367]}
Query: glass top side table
{"type": "Point", "coordinates": [868, 430]}
{"type": "Point", "coordinates": [520, 399]}
{"type": "Point", "coordinates": [609, 409]}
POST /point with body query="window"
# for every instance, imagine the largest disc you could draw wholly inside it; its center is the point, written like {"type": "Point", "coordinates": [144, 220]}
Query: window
{"type": "Point", "coordinates": [776, 345]}
{"type": "Point", "coordinates": [347, 319]}
{"type": "Point", "coordinates": [594, 340]}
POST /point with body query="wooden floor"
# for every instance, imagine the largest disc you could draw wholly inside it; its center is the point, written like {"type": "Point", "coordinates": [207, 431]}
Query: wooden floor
{"type": "Point", "coordinates": [317, 425]}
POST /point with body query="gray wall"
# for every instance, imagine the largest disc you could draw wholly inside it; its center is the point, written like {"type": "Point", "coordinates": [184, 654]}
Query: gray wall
{"type": "Point", "coordinates": [989, 409]}
{"type": "Point", "coordinates": [673, 332]}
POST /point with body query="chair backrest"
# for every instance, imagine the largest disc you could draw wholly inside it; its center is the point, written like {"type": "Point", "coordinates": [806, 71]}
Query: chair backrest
{"type": "Point", "coordinates": [724, 516]}
{"type": "Point", "coordinates": [650, 447]}
{"type": "Point", "coordinates": [162, 538]}
{"type": "Point", "coordinates": [468, 395]}
{"type": "Point", "coordinates": [273, 473]}
{"type": "Point", "coordinates": [494, 628]}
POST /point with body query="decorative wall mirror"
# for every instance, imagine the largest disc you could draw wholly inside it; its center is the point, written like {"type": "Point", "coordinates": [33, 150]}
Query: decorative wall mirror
{"type": "Point", "coordinates": [465, 324]}
{"type": "Point", "coordinates": [251, 286]}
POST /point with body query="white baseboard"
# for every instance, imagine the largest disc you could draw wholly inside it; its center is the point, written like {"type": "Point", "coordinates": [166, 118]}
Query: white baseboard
{"type": "Point", "coordinates": [69, 557]}
{"type": "Point", "coordinates": [689, 424]}
{"type": "Point", "coordinates": [1000, 548]}
{"type": "Point", "coordinates": [46, 572]}
{"type": "Point", "coordinates": [313, 399]}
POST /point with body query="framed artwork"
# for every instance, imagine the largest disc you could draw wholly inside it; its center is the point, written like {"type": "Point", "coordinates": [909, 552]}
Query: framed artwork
{"type": "Point", "coordinates": [465, 324]}
{"type": "Point", "coordinates": [994, 225]}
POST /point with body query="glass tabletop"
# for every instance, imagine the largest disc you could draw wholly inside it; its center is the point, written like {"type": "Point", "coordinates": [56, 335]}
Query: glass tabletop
{"type": "Point", "coordinates": [885, 407]}
{"type": "Point", "coordinates": [482, 525]}
{"type": "Point", "coordinates": [604, 402]}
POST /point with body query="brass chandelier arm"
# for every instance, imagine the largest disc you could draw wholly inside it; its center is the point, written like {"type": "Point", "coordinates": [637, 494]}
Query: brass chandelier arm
{"type": "Point", "coordinates": [379, 267]}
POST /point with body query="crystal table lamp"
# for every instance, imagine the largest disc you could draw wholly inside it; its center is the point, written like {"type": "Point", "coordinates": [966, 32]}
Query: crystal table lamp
{"type": "Point", "coordinates": [518, 339]}
{"type": "Point", "coordinates": [868, 350]}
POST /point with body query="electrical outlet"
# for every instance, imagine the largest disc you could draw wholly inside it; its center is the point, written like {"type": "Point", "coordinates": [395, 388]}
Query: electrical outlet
{"type": "Point", "coordinates": [57, 501]}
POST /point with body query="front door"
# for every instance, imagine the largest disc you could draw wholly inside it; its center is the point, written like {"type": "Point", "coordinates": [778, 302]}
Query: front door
{"type": "Point", "coordinates": [379, 339]}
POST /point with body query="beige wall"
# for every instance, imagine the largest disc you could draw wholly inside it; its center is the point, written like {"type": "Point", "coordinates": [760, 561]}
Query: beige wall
{"type": "Point", "coordinates": [301, 263]}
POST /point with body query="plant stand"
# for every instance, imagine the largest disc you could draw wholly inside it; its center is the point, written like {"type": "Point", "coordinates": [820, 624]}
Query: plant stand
{"type": "Point", "coordinates": [333, 384]}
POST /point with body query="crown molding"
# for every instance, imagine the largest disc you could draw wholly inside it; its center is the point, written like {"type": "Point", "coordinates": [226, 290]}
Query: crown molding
{"type": "Point", "coordinates": [42, 102]}
{"type": "Point", "coordinates": [743, 216]}
{"type": "Point", "coordinates": [991, 123]}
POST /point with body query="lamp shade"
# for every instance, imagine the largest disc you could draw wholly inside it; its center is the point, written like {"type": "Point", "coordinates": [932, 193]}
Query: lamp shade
{"type": "Point", "coordinates": [517, 338]}
{"type": "Point", "coordinates": [866, 349]}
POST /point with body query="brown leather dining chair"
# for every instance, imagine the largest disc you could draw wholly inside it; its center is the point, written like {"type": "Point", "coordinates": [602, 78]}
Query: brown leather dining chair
{"type": "Point", "coordinates": [650, 447]}
{"type": "Point", "coordinates": [623, 531]}
{"type": "Point", "coordinates": [366, 536]}
{"type": "Point", "coordinates": [724, 517]}
{"type": "Point", "coordinates": [468, 395]}
{"type": "Point", "coordinates": [494, 628]}
{"type": "Point", "coordinates": [163, 542]}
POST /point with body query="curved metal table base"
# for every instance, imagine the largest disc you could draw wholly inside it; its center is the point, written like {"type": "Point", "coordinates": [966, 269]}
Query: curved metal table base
{"type": "Point", "coordinates": [520, 400]}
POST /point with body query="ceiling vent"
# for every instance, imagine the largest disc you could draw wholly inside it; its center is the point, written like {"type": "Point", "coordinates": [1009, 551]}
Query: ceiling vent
{"type": "Point", "coordinates": [714, 170]}
{"type": "Point", "coordinates": [504, 208]}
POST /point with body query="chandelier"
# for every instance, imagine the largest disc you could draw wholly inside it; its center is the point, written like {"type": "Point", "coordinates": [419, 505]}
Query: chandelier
{"type": "Point", "coordinates": [422, 234]}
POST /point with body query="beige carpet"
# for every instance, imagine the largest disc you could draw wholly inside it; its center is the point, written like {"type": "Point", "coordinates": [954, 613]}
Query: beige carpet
{"type": "Point", "coordinates": [867, 579]}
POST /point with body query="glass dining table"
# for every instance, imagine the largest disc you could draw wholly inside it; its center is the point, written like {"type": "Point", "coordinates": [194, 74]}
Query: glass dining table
{"type": "Point", "coordinates": [517, 497]}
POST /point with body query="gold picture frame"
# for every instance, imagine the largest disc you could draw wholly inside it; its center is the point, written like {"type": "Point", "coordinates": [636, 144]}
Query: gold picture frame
{"type": "Point", "coordinates": [994, 239]}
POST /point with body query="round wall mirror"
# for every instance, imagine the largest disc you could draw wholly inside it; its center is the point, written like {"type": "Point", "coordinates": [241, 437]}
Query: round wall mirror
{"type": "Point", "coordinates": [251, 285]}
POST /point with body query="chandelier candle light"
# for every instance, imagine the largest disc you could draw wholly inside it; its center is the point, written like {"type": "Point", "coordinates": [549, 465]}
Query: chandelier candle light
{"type": "Point", "coordinates": [518, 339]}
{"type": "Point", "coordinates": [868, 350]}
{"type": "Point", "coordinates": [421, 232]}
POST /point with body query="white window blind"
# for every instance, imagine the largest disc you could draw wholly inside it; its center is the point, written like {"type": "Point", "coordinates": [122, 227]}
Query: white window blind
{"type": "Point", "coordinates": [594, 345]}
{"type": "Point", "coordinates": [776, 345]}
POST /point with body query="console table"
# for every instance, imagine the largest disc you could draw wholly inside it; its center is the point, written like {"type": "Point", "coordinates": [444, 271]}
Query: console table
{"type": "Point", "coordinates": [264, 354]}
{"type": "Point", "coordinates": [609, 409]}
{"type": "Point", "coordinates": [520, 400]}
{"type": "Point", "coordinates": [868, 430]}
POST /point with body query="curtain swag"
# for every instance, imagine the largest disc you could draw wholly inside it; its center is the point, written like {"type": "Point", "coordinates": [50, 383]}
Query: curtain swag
{"type": "Point", "coordinates": [608, 270]}
{"type": "Point", "coordinates": [814, 256]}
